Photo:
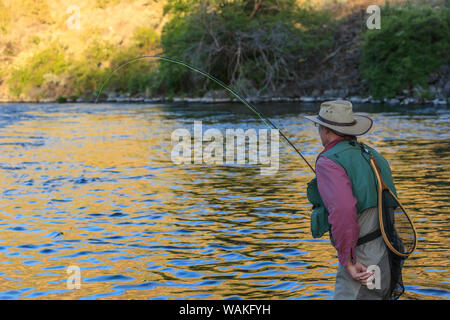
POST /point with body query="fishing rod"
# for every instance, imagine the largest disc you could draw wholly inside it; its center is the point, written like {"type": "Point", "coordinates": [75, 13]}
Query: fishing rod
{"type": "Point", "coordinates": [211, 77]}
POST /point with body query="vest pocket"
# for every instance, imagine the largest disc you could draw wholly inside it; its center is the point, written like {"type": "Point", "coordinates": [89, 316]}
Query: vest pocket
{"type": "Point", "coordinates": [319, 216]}
{"type": "Point", "coordinates": [319, 222]}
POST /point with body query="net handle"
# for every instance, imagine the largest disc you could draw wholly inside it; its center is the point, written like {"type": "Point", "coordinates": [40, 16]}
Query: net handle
{"type": "Point", "coordinates": [383, 185]}
{"type": "Point", "coordinates": [380, 212]}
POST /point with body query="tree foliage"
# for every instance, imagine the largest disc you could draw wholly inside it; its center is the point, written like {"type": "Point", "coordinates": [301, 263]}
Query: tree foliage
{"type": "Point", "coordinates": [257, 46]}
{"type": "Point", "coordinates": [412, 43]}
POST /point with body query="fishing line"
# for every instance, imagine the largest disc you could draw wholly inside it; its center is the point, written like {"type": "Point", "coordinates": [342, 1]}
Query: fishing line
{"type": "Point", "coordinates": [211, 77]}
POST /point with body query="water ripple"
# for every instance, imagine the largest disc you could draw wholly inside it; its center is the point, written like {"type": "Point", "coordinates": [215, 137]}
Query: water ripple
{"type": "Point", "coordinates": [92, 189]}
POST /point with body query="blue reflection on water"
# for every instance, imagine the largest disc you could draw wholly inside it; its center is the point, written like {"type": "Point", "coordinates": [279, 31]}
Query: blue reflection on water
{"type": "Point", "coordinates": [94, 187]}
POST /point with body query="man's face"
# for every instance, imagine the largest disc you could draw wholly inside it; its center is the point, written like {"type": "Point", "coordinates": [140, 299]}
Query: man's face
{"type": "Point", "coordinates": [323, 134]}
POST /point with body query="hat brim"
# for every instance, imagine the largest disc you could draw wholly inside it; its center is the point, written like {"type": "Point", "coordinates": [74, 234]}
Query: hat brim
{"type": "Point", "coordinates": [362, 125]}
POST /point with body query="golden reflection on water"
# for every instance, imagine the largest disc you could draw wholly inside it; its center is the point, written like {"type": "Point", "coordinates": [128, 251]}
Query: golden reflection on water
{"type": "Point", "coordinates": [94, 187]}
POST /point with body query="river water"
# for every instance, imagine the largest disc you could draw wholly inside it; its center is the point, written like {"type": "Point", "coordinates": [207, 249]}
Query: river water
{"type": "Point", "coordinates": [93, 187]}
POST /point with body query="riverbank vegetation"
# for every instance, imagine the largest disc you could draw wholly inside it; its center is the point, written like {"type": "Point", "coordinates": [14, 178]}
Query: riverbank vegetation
{"type": "Point", "coordinates": [412, 44]}
{"type": "Point", "coordinates": [259, 47]}
{"type": "Point", "coordinates": [262, 48]}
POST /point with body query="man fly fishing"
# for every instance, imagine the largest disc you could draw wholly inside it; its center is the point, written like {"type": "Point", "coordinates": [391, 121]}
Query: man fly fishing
{"type": "Point", "coordinates": [345, 202]}
{"type": "Point", "coordinates": [347, 198]}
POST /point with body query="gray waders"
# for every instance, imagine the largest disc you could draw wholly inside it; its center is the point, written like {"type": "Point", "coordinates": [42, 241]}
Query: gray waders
{"type": "Point", "coordinates": [370, 253]}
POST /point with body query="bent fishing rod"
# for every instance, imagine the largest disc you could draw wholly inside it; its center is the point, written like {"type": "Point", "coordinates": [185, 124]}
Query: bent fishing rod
{"type": "Point", "coordinates": [211, 77]}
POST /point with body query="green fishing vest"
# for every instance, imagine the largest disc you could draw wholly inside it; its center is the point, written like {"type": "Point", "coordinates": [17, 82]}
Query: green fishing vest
{"type": "Point", "coordinates": [350, 155]}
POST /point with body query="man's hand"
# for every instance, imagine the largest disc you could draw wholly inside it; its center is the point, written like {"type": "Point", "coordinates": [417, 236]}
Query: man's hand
{"type": "Point", "coordinates": [358, 272]}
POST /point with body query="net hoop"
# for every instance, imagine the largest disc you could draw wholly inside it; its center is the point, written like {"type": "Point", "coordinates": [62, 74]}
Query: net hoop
{"type": "Point", "coordinates": [381, 187]}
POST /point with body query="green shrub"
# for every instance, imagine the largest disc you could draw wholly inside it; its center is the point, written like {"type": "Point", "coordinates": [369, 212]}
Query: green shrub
{"type": "Point", "coordinates": [5, 18]}
{"type": "Point", "coordinates": [35, 40]}
{"type": "Point", "coordinates": [61, 99]}
{"type": "Point", "coordinates": [49, 61]}
{"type": "Point", "coordinates": [99, 51]}
{"type": "Point", "coordinates": [257, 51]}
{"type": "Point", "coordinates": [88, 73]}
{"type": "Point", "coordinates": [103, 4]}
{"type": "Point", "coordinates": [85, 77]}
{"type": "Point", "coordinates": [411, 44]}
{"type": "Point", "coordinates": [135, 77]}
{"type": "Point", "coordinates": [145, 38]}
{"type": "Point", "coordinates": [11, 49]}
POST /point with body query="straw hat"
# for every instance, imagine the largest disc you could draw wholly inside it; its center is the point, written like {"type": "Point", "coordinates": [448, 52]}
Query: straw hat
{"type": "Point", "coordinates": [338, 115]}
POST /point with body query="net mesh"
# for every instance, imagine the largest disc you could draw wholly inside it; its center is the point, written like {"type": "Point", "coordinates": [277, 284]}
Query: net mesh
{"type": "Point", "coordinates": [397, 226]}
{"type": "Point", "coordinates": [398, 232]}
{"type": "Point", "coordinates": [390, 215]}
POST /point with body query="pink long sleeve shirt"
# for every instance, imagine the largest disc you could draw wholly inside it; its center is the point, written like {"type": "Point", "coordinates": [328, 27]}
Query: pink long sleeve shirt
{"type": "Point", "coordinates": [335, 189]}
